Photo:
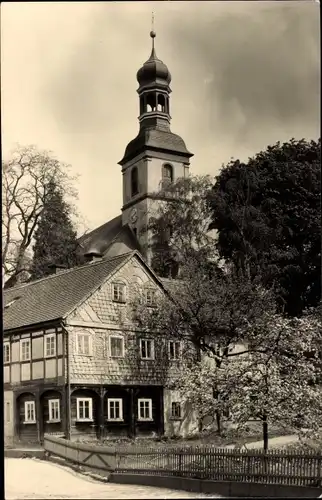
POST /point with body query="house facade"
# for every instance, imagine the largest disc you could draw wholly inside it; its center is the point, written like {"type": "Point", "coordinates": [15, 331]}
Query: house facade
{"type": "Point", "coordinates": [75, 363]}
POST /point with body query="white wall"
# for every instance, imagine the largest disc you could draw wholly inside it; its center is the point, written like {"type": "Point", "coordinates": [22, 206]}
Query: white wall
{"type": "Point", "coordinates": [184, 427]}
{"type": "Point", "coordinates": [8, 416]}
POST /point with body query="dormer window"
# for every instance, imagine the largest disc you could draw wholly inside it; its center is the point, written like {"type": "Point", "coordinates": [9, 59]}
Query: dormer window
{"type": "Point", "coordinates": [134, 181]}
{"type": "Point", "coordinates": [119, 292]}
{"type": "Point", "coordinates": [167, 175]}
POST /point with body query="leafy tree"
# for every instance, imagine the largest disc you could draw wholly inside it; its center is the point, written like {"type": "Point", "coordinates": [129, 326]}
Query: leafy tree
{"type": "Point", "coordinates": [267, 215]}
{"type": "Point", "coordinates": [25, 177]}
{"type": "Point", "coordinates": [178, 225]}
{"type": "Point", "coordinates": [275, 384]}
{"type": "Point", "coordinates": [55, 237]}
{"type": "Point", "coordinates": [213, 309]}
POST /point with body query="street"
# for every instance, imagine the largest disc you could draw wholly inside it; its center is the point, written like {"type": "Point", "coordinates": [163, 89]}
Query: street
{"type": "Point", "coordinates": [31, 478]}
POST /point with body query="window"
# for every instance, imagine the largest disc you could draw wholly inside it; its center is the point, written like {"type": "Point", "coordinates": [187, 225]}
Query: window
{"type": "Point", "coordinates": [25, 350]}
{"type": "Point", "coordinates": [30, 412]}
{"type": "Point", "coordinates": [118, 292]}
{"type": "Point", "coordinates": [150, 102]}
{"type": "Point", "coordinates": [84, 409]}
{"type": "Point", "coordinates": [6, 352]}
{"type": "Point", "coordinates": [175, 410]}
{"type": "Point", "coordinates": [117, 347]}
{"type": "Point", "coordinates": [8, 412]}
{"type": "Point", "coordinates": [150, 297]}
{"type": "Point", "coordinates": [54, 410]}
{"type": "Point", "coordinates": [145, 409]}
{"type": "Point", "coordinates": [84, 344]}
{"type": "Point", "coordinates": [174, 349]}
{"type": "Point", "coordinates": [134, 181]}
{"type": "Point", "coordinates": [50, 345]}
{"type": "Point", "coordinates": [161, 103]}
{"type": "Point", "coordinates": [147, 349]}
{"type": "Point", "coordinates": [167, 175]}
{"type": "Point", "coordinates": [115, 409]}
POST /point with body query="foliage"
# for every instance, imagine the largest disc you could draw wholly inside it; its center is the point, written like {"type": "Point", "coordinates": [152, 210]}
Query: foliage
{"type": "Point", "coordinates": [55, 237]}
{"type": "Point", "coordinates": [214, 309]}
{"type": "Point", "coordinates": [278, 383]}
{"type": "Point", "coordinates": [25, 178]}
{"type": "Point", "coordinates": [179, 224]}
{"type": "Point", "coordinates": [267, 214]}
{"type": "Point", "coordinates": [248, 359]}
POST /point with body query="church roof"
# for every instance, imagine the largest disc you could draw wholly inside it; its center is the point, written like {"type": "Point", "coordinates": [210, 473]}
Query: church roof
{"type": "Point", "coordinates": [172, 286]}
{"type": "Point", "coordinates": [101, 238]}
{"type": "Point", "coordinates": [157, 139]}
{"type": "Point", "coordinates": [55, 296]}
{"type": "Point", "coordinates": [102, 235]}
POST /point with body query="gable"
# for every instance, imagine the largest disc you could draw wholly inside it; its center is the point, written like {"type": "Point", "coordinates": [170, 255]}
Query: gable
{"type": "Point", "coordinates": [100, 307]}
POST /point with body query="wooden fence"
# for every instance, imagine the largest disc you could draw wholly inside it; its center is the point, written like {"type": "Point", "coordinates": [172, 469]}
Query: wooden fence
{"type": "Point", "coordinates": [206, 462]}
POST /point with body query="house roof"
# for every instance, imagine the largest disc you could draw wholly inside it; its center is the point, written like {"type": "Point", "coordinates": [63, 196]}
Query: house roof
{"type": "Point", "coordinates": [101, 238]}
{"type": "Point", "coordinates": [55, 296]}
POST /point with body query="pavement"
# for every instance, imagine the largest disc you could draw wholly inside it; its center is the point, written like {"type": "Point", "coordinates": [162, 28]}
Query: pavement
{"type": "Point", "coordinates": [276, 442]}
{"type": "Point", "coordinates": [24, 477]}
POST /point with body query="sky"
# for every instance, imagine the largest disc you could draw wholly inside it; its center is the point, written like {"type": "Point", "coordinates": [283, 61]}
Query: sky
{"type": "Point", "coordinates": [244, 75]}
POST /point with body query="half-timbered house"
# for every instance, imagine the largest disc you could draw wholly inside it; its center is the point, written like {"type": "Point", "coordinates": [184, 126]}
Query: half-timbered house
{"type": "Point", "coordinates": [76, 365]}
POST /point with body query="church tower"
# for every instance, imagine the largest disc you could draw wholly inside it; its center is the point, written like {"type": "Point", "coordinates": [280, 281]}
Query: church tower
{"type": "Point", "coordinates": [156, 156]}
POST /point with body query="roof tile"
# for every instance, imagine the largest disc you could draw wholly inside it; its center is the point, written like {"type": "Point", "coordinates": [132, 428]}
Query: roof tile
{"type": "Point", "coordinates": [53, 297]}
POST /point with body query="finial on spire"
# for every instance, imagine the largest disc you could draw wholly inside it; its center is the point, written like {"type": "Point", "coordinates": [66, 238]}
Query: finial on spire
{"type": "Point", "coordinates": [152, 32]}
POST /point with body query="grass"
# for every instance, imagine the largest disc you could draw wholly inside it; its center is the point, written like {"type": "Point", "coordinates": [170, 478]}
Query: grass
{"type": "Point", "coordinates": [253, 432]}
{"type": "Point", "coordinates": [304, 446]}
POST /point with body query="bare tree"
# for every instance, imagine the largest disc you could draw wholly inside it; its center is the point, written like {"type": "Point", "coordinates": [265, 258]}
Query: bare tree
{"type": "Point", "coordinates": [25, 178]}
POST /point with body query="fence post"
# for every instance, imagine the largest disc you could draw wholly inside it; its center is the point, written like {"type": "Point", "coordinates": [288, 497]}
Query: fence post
{"type": "Point", "coordinates": [265, 462]}
{"type": "Point", "coordinates": [319, 481]}
{"type": "Point", "coordinates": [117, 460]}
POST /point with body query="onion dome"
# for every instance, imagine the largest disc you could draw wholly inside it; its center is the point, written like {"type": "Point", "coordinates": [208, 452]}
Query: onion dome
{"type": "Point", "coordinates": [153, 70]}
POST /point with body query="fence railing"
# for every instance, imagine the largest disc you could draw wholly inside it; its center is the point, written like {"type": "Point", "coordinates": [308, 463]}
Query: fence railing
{"type": "Point", "coordinates": [205, 462]}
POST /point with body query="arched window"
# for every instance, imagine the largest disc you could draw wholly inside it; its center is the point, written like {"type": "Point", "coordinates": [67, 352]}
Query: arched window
{"type": "Point", "coordinates": [151, 103]}
{"type": "Point", "coordinates": [167, 175]}
{"type": "Point", "coordinates": [142, 107]}
{"type": "Point", "coordinates": [166, 107]}
{"type": "Point", "coordinates": [134, 181]}
{"type": "Point", "coordinates": [161, 103]}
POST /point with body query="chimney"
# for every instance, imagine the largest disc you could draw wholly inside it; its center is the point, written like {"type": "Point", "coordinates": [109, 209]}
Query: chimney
{"type": "Point", "coordinates": [56, 268]}
{"type": "Point", "coordinates": [92, 256]}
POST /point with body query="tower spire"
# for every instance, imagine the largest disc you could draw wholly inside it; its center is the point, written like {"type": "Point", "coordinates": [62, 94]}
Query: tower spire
{"type": "Point", "coordinates": [152, 34]}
